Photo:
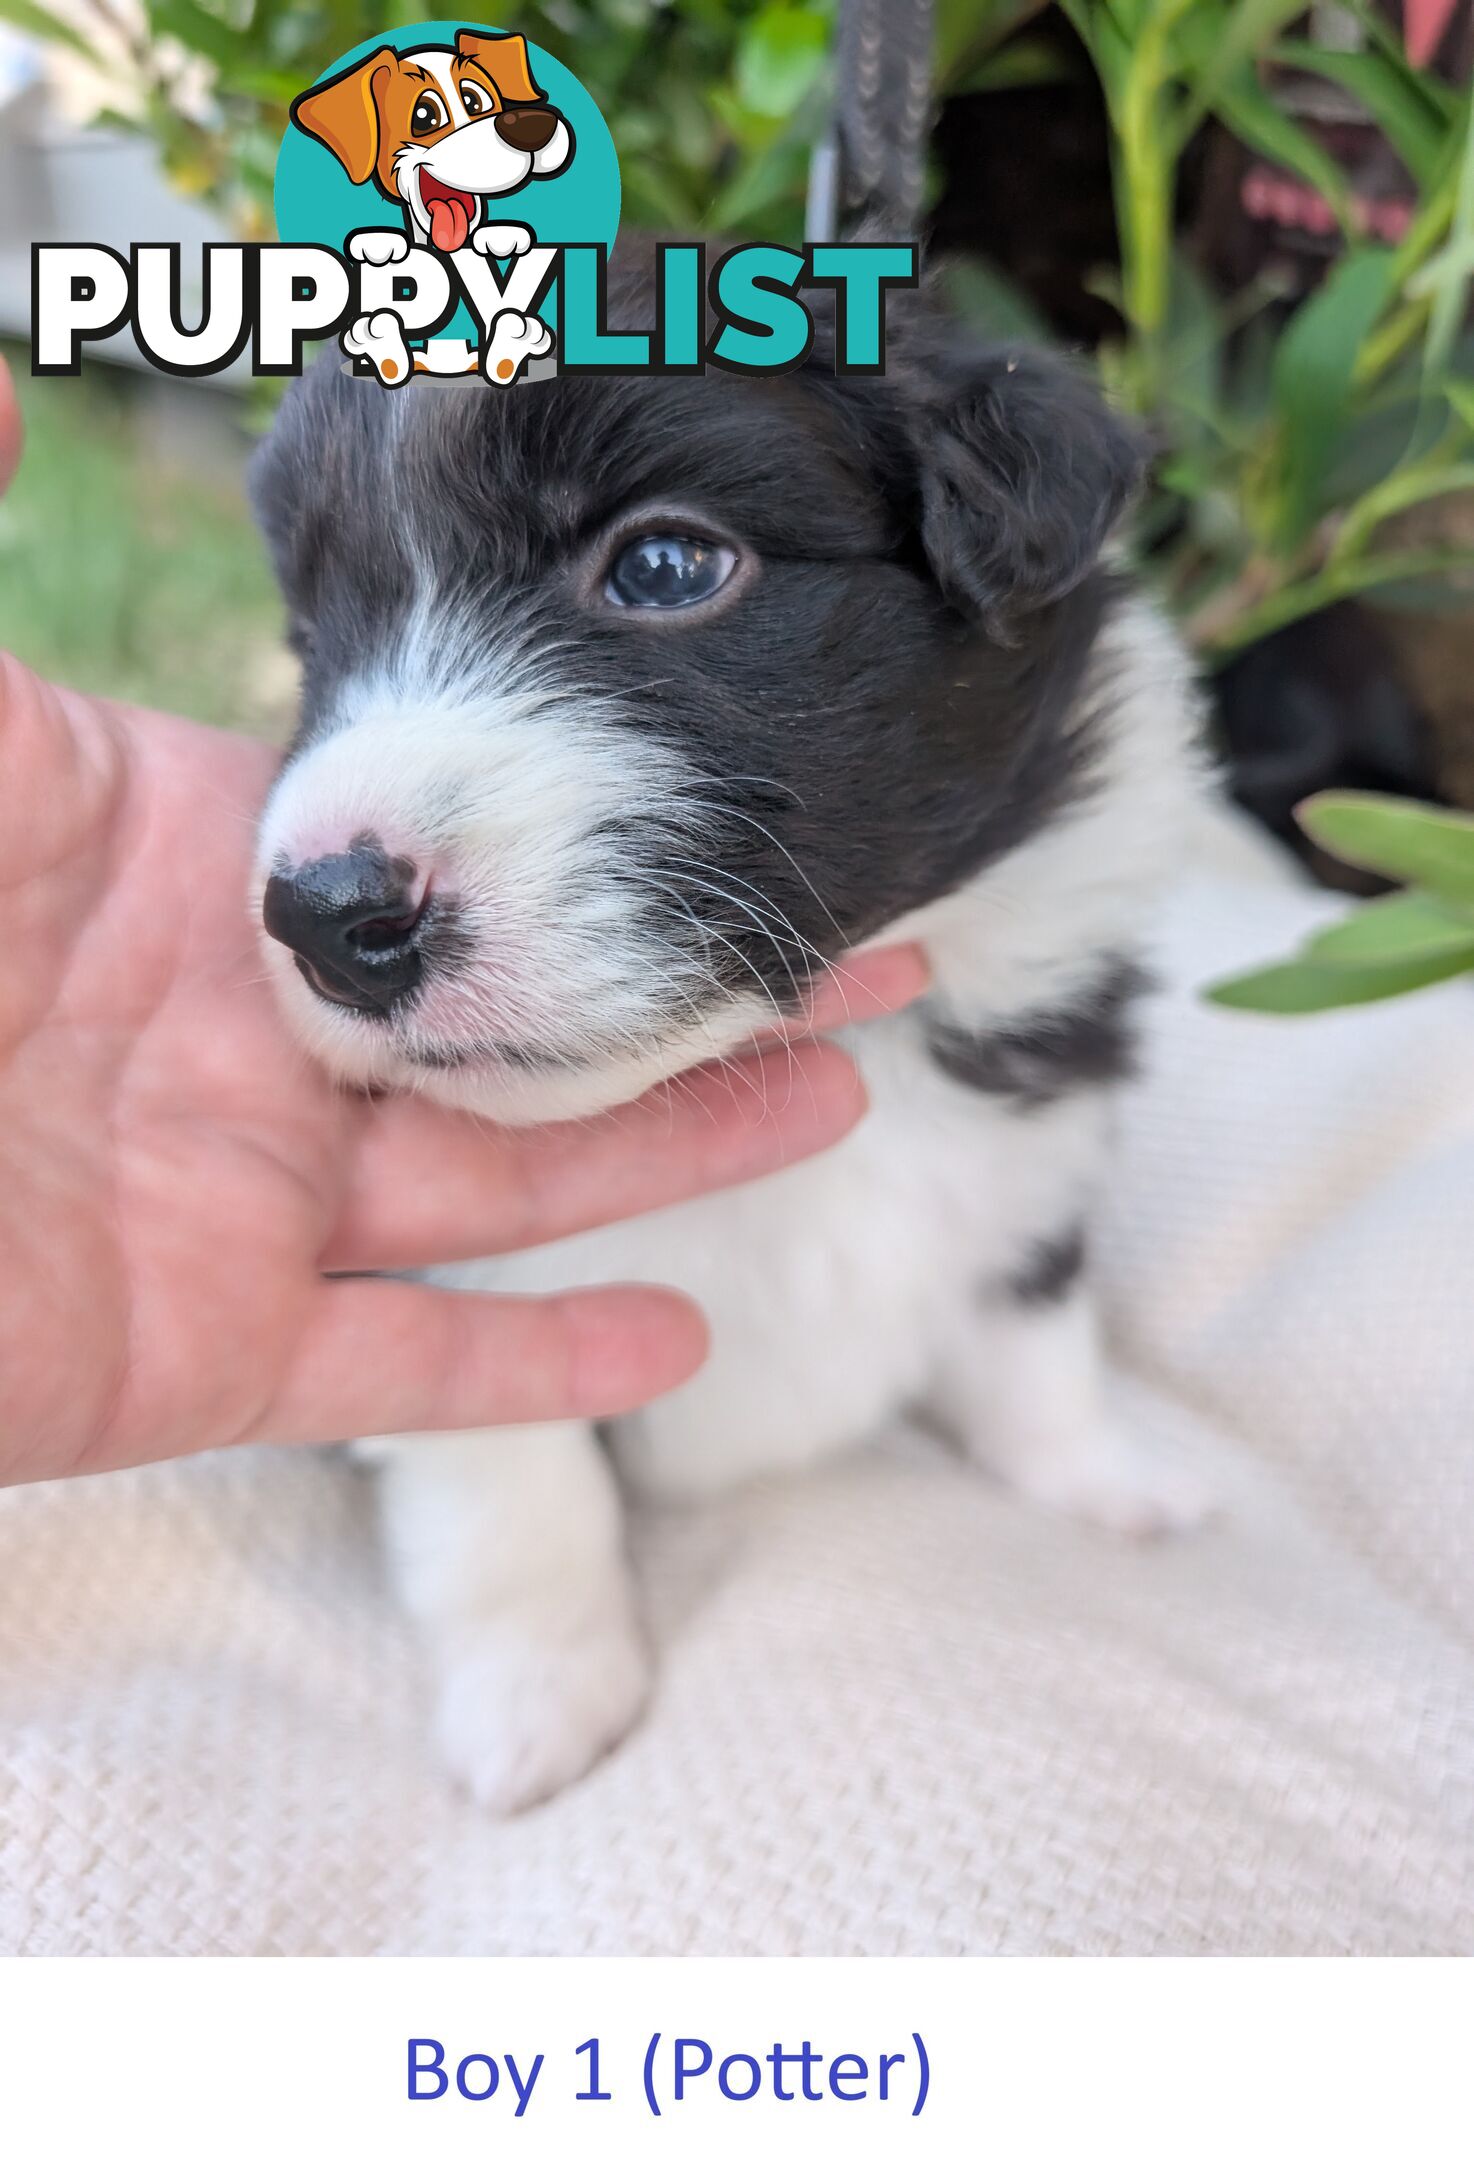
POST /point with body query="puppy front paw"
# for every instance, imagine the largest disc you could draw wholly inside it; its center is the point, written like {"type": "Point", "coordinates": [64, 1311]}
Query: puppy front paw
{"type": "Point", "coordinates": [522, 1713]}
{"type": "Point", "coordinates": [502, 242]}
{"type": "Point", "coordinates": [379, 339]}
{"type": "Point", "coordinates": [1103, 1474]}
{"type": "Point", "coordinates": [379, 247]}
{"type": "Point", "coordinates": [515, 339]}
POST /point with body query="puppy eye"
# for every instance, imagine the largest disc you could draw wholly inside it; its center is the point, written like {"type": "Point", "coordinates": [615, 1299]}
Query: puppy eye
{"type": "Point", "coordinates": [667, 570]}
{"type": "Point", "coordinates": [474, 100]}
{"type": "Point", "coordinates": [428, 114]}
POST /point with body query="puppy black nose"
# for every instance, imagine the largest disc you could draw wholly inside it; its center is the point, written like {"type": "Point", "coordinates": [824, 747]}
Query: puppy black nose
{"type": "Point", "coordinates": [528, 129]}
{"type": "Point", "coordinates": [353, 922]}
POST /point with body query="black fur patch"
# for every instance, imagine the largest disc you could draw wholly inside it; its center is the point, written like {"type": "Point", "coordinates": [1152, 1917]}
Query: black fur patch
{"type": "Point", "coordinates": [1050, 1269]}
{"type": "Point", "coordinates": [1047, 1055]}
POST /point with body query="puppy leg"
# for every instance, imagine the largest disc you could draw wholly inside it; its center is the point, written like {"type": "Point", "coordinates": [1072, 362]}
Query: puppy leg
{"type": "Point", "coordinates": [1021, 1388]}
{"type": "Point", "coordinates": [507, 1548]}
{"type": "Point", "coordinates": [515, 339]}
{"type": "Point", "coordinates": [378, 340]}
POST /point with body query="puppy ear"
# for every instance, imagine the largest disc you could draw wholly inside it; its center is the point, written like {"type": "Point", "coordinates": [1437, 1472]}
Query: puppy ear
{"type": "Point", "coordinates": [505, 61]}
{"type": "Point", "coordinates": [344, 113]}
{"type": "Point", "coordinates": [1024, 470]}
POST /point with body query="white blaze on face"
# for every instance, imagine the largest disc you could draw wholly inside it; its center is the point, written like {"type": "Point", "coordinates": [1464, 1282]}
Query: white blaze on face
{"type": "Point", "coordinates": [518, 805]}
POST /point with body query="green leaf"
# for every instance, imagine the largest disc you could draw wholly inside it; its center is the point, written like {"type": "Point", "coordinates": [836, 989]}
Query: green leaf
{"type": "Point", "coordinates": [1303, 986]}
{"type": "Point", "coordinates": [1401, 490]}
{"type": "Point", "coordinates": [1405, 118]}
{"type": "Point", "coordinates": [37, 22]}
{"type": "Point", "coordinates": [1024, 65]}
{"type": "Point", "coordinates": [1450, 299]}
{"type": "Point", "coordinates": [1411, 842]}
{"type": "Point", "coordinates": [1408, 569]}
{"type": "Point", "coordinates": [1376, 441]}
{"type": "Point", "coordinates": [757, 185]}
{"type": "Point", "coordinates": [1403, 926]}
{"type": "Point", "coordinates": [779, 56]}
{"type": "Point", "coordinates": [1313, 375]}
{"type": "Point", "coordinates": [753, 131]}
{"type": "Point", "coordinates": [199, 32]}
{"type": "Point", "coordinates": [1452, 265]}
{"type": "Point", "coordinates": [1461, 396]}
{"type": "Point", "coordinates": [1249, 112]}
{"type": "Point", "coordinates": [654, 196]}
{"type": "Point", "coordinates": [1385, 39]}
{"type": "Point", "coordinates": [1108, 49]}
{"type": "Point", "coordinates": [969, 32]}
{"type": "Point", "coordinates": [267, 86]}
{"type": "Point", "coordinates": [1240, 32]}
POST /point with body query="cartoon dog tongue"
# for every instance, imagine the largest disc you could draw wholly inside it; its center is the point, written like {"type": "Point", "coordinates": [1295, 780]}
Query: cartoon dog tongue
{"type": "Point", "coordinates": [449, 223]}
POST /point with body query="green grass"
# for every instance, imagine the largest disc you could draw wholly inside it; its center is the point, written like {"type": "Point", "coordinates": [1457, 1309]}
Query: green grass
{"type": "Point", "coordinates": [125, 571]}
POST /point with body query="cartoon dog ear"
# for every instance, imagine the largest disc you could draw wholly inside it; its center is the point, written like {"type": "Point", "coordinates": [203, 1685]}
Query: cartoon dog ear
{"type": "Point", "coordinates": [505, 61]}
{"type": "Point", "coordinates": [344, 114]}
{"type": "Point", "coordinates": [1024, 470]}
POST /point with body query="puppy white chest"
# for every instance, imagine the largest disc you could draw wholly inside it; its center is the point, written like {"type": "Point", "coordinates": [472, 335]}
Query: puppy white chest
{"type": "Point", "coordinates": [831, 1287]}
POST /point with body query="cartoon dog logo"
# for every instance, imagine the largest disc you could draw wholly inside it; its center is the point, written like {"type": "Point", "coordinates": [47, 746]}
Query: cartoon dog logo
{"type": "Point", "coordinates": [439, 130]}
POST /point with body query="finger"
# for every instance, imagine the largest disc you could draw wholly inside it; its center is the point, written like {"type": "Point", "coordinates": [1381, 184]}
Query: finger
{"type": "Point", "coordinates": [10, 426]}
{"type": "Point", "coordinates": [861, 986]}
{"type": "Point", "coordinates": [390, 1357]}
{"type": "Point", "coordinates": [434, 1185]}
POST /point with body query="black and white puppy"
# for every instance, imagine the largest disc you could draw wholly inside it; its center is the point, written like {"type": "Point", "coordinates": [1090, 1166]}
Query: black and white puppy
{"type": "Point", "coordinates": [626, 704]}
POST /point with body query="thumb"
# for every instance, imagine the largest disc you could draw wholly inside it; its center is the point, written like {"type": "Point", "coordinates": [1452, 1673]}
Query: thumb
{"type": "Point", "coordinates": [395, 1357]}
{"type": "Point", "coordinates": [10, 426]}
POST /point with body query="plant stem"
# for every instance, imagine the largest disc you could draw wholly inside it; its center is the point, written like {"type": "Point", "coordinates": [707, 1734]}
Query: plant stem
{"type": "Point", "coordinates": [1145, 170]}
{"type": "Point", "coordinates": [1439, 473]}
{"type": "Point", "coordinates": [1387, 344]}
{"type": "Point", "coordinates": [1339, 581]}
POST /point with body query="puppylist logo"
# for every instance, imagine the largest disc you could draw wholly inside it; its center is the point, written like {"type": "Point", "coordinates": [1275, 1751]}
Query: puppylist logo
{"type": "Point", "coordinates": [446, 198]}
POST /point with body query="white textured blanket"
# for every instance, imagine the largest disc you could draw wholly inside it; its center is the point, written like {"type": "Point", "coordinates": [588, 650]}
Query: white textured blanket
{"type": "Point", "coordinates": [898, 1712]}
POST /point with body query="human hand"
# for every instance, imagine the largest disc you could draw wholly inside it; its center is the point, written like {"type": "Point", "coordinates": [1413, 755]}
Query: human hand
{"type": "Point", "coordinates": [175, 1178]}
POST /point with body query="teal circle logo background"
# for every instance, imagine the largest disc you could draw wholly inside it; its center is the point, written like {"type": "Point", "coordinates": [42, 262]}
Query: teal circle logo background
{"type": "Point", "coordinates": [317, 203]}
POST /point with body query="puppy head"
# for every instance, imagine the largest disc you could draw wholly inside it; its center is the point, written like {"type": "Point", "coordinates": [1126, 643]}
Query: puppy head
{"type": "Point", "coordinates": [629, 703]}
{"type": "Point", "coordinates": [437, 130]}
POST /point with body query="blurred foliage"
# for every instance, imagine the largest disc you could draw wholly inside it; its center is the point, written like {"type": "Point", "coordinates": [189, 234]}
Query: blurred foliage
{"type": "Point", "coordinates": [1411, 939]}
{"type": "Point", "coordinates": [127, 563]}
{"type": "Point", "coordinates": [713, 104]}
{"type": "Point", "coordinates": [1291, 444]}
